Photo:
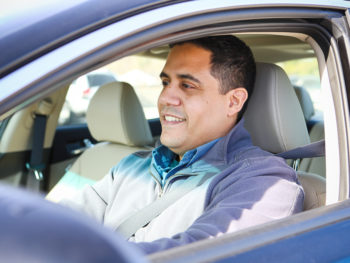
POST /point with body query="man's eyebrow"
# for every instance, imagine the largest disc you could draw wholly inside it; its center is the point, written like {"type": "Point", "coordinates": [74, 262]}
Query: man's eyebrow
{"type": "Point", "coordinates": [180, 76]}
{"type": "Point", "coordinates": [163, 75]}
{"type": "Point", "coordinates": [188, 76]}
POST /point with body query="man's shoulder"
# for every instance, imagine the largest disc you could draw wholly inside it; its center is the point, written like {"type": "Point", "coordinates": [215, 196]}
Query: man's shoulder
{"type": "Point", "coordinates": [253, 161]}
{"type": "Point", "coordinates": [255, 166]}
{"type": "Point", "coordinates": [247, 153]}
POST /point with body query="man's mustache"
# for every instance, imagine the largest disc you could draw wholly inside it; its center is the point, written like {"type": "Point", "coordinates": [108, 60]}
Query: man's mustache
{"type": "Point", "coordinates": [169, 110]}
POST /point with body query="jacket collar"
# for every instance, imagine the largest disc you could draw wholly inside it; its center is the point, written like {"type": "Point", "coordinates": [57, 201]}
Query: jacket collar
{"type": "Point", "coordinates": [225, 149]}
{"type": "Point", "coordinates": [217, 153]}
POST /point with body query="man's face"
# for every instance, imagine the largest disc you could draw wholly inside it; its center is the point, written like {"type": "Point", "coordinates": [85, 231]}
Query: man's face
{"type": "Point", "coordinates": [192, 110]}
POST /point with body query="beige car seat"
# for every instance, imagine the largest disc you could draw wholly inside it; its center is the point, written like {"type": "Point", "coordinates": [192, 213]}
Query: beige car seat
{"type": "Point", "coordinates": [276, 123]}
{"type": "Point", "coordinates": [116, 120]}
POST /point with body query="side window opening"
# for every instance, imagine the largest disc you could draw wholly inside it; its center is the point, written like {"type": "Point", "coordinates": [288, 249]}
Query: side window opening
{"type": "Point", "coordinates": [304, 74]}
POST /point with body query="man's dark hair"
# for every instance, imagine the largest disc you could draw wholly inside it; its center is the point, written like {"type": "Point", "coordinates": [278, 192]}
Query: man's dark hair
{"type": "Point", "coordinates": [232, 62]}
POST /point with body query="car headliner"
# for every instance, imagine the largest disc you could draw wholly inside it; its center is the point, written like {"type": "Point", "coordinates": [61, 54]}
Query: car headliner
{"type": "Point", "coordinates": [269, 48]}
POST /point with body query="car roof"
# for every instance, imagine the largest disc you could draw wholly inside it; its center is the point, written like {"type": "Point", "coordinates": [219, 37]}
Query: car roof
{"type": "Point", "coordinates": [45, 24]}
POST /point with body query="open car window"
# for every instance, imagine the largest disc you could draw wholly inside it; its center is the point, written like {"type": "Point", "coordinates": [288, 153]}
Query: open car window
{"type": "Point", "coordinates": [304, 73]}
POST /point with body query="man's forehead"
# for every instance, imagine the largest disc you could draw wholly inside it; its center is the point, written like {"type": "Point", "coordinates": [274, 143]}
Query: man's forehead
{"type": "Point", "coordinates": [187, 57]}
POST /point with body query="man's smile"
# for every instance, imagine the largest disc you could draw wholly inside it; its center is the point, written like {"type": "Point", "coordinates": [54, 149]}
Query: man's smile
{"type": "Point", "coordinates": [171, 119]}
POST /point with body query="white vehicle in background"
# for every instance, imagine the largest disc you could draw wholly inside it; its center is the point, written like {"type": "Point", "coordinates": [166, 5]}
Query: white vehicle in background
{"type": "Point", "coordinates": [79, 94]}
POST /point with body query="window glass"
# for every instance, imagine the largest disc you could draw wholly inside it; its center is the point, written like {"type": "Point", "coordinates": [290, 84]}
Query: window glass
{"type": "Point", "coordinates": [304, 73]}
{"type": "Point", "coordinates": [141, 72]}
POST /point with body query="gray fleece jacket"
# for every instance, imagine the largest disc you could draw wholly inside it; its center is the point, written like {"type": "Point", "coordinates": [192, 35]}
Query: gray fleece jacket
{"type": "Point", "coordinates": [241, 186]}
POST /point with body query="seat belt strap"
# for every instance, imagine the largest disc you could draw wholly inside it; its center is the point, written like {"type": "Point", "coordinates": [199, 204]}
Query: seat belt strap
{"type": "Point", "coordinates": [141, 218]}
{"type": "Point", "coordinates": [315, 149]}
{"type": "Point", "coordinates": [36, 166]}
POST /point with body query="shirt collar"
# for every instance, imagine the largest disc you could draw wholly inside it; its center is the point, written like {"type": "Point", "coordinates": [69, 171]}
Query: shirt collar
{"type": "Point", "coordinates": [163, 157]}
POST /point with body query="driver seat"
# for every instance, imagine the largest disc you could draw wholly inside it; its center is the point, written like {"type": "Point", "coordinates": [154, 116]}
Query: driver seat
{"type": "Point", "coordinates": [276, 123]}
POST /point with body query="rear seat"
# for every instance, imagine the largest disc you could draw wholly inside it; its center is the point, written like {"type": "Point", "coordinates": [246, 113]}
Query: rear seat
{"type": "Point", "coordinates": [306, 105]}
{"type": "Point", "coordinates": [116, 120]}
{"type": "Point", "coordinates": [316, 131]}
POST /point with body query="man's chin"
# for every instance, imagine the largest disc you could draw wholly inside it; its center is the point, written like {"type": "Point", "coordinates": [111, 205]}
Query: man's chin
{"type": "Point", "coordinates": [173, 145]}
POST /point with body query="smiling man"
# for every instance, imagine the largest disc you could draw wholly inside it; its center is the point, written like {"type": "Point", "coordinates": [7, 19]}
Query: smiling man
{"type": "Point", "coordinates": [194, 109]}
{"type": "Point", "coordinates": [205, 178]}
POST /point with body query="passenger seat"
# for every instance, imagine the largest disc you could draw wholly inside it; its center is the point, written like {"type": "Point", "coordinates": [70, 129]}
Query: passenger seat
{"type": "Point", "coordinates": [116, 120]}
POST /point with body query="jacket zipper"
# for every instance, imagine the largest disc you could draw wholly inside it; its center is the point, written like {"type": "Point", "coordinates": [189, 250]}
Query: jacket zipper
{"type": "Point", "coordinates": [175, 176]}
{"type": "Point", "coordinates": [160, 188]}
{"type": "Point", "coordinates": [172, 177]}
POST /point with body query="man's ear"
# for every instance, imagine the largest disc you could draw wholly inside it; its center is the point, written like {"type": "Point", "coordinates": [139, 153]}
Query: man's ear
{"type": "Point", "coordinates": [236, 99]}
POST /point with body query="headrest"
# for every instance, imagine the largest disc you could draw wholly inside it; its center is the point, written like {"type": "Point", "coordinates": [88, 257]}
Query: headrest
{"type": "Point", "coordinates": [115, 114]}
{"type": "Point", "coordinates": [305, 102]}
{"type": "Point", "coordinates": [274, 117]}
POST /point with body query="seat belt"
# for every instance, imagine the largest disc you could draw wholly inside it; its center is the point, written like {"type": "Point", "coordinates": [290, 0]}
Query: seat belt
{"type": "Point", "coordinates": [141, 218]}
{"type": "Point", "coordinates": [36, 166]}
{"type": "Point", "coordinates": [315, 149]}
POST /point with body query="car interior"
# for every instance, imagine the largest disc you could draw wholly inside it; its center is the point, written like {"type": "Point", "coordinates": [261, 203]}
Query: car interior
{"type": "Point", "coordinates": [281, 116]}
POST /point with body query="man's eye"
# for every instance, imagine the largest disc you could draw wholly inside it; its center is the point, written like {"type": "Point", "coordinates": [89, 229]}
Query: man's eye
{"type": "Point", "coordinates": [187, 86]}
{"type": "Point", "coordinates": [165, 83]}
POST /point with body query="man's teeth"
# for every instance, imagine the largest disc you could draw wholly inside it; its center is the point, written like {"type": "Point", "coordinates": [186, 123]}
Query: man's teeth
{"type": "Point", "coordinates": [171, 118]}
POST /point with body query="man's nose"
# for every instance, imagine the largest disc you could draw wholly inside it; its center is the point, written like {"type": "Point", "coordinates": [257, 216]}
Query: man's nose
{"type": "Point", "coordinates": [170, 96]}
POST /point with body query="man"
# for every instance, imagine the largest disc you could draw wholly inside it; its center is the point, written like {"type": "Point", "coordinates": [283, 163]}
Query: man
{"type": "Point", "coordinates": [205, 149]}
